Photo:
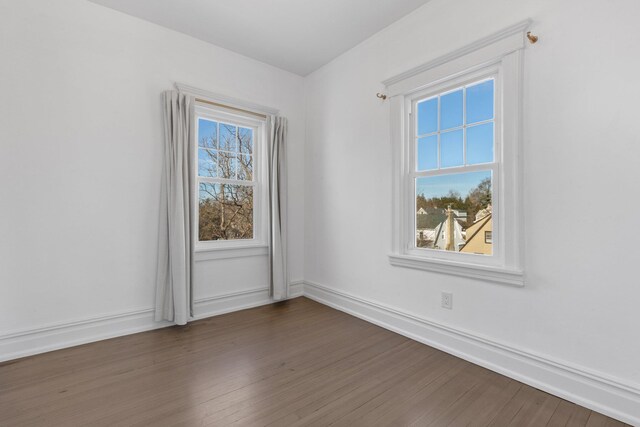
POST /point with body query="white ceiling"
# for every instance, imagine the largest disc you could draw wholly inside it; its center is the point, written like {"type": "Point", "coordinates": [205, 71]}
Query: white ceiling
{"type": "Point", "coordinates": [296, 35]}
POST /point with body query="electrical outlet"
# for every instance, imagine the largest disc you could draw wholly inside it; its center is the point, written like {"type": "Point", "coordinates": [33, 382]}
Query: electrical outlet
{"type": "Point", "coordinates": [447, 300]}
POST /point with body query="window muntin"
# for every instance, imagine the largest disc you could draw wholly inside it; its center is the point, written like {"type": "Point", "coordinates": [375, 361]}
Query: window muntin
{"type": "Point", "coordinates": [455, 128]}
{"type": "Point", "coordinates": [454, 167]}
{"type": "Point", "coordinates": [227, 184]}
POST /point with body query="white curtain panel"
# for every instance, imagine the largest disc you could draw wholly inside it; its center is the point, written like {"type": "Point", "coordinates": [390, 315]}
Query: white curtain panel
{"type": "Point", "coordinates": [175, 240]}
{"type": "Point", "coordinates": [278, 208]}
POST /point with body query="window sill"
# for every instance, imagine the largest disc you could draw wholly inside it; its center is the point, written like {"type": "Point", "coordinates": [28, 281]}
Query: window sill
{"type": "Point", "coordinates": [472, 271]}
{"type": "Point", "coordinates": [226, 252]}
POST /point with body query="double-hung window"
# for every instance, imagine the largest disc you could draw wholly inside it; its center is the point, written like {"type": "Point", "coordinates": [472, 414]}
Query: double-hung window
{"type": "Point", "coordinates": [456, 136]}
{"type": "Point", "coordinates": [453, 148]}
{"type": "Point", "coordinates": [231, 179]}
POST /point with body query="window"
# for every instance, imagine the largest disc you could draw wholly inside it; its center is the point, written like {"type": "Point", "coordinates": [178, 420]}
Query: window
{"type": "Point", "coordinates": [454, 148]}
{"type": "Point", "coordinates": [455, 126]}
{"type": "Point", "coordinates": [487, 237]}
{"type": "Point", "coordinates": [230, 180]}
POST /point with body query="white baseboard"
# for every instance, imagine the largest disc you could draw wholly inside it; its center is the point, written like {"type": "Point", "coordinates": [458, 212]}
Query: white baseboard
{"type": "Point", "coordinates": [609, 396]}
{"type": "Point", "coordinates": [69, 334]}
{"type": "Point", "coordinates": [213, 306]}
{"type": "Point", "coordinates": [296, 289]}
{"type": "Point", "coordinates": [62, 335]}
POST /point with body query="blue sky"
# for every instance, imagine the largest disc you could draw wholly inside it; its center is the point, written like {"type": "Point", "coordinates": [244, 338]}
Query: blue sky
{"type": "Point", "coordinates": [206, 128]}
{"type": "Point", "coordinates": [440, 185]}
{"type": "Point", "coordinates": [479, 108]}
{"type": "Point", "coordinates": [480, 138]}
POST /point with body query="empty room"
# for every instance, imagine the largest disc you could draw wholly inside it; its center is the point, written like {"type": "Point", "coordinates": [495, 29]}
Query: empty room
{"type": "Point", "coordinates": [319, 213]}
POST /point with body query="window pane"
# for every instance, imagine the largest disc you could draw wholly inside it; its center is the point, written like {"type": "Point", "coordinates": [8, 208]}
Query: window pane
{"type": "Point", "coordinates": [207, 133]}
{"type": "Point", "coordinates": [453, 212]}
{"type": "Point", "coordinates": [245, 167]}
{"type": "Point", "coordinates": [451, 148]}
{"type": "Point", "coordinates": [225, 212]}
{"type": "Point", "coordinates": [245, 140]}
{"type": "Point", "coordinates": [480, 102]}
{"type": "Point", "coordinates": [227, 163]}
{"type": "Point", "coordinates": [207, 161]}
{"type": "Point", "coordinates": [451, 110]}
{"type": "Point", "coordinates": [480, 144]}
{"type": "Point", "coordinates": [428, 153]}
{"type": "Point", "coordinates": [428, 116]}
{"type": "Point", "coordinates": [228, 137]}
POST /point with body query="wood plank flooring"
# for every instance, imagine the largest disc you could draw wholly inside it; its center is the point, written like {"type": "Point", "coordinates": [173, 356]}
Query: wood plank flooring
{"type": "Point", "coordinates": [296, 363]}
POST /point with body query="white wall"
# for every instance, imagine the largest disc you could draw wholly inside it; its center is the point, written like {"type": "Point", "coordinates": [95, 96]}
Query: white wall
{"type": "Point", "coordinates": [80, 158]}
{"type": "Point", "coordinates": [581, 148]}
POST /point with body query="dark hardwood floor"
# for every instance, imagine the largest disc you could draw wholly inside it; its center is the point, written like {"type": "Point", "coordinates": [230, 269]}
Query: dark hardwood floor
{"type": "Point", "coordinates": [296, 363]}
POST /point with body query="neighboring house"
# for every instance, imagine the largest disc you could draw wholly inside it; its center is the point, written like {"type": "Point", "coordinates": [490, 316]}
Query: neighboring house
{"type": "Point", "coordinates": [480, 236]}
{"type": "Point", "coordinates": [433, 222]}
{"type": "Point", "coordinates": [430, 218]}
{"type": "Point", "coordinates": [443, 233]}
{"type": "Point", "coordinates": [483, 213]}
{"type": "Point", "coordinates": [460, 215]}
{"type": "Point", "coordinates": [426, 235]}
{"type": "Point", "coordinates": [426, 224]}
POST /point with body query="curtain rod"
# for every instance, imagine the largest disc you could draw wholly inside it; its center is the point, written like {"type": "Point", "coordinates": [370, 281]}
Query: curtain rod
{"type": "Point", "coordinates": [229, 107]}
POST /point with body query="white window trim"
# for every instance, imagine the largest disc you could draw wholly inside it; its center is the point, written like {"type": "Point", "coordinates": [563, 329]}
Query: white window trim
{"type": "Point", "coordinates": [498, 55]}
{"type": "Point", "coordinates": [259, 245]}
{"type": "Point", "coordinates": [411, 99]}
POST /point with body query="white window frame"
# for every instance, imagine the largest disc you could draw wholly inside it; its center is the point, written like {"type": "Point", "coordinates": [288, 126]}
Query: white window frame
{"type": "Point", "coordinates": [411, 100]}
{"type": "Point", "coordinates": [222, 108]}
{"type": "Point", "coordinates": [258, 183]}
{"type": "Point", "coordinates": [497, 56]}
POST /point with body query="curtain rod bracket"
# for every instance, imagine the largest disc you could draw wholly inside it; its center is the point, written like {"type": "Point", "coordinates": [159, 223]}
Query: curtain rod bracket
{"type": "Point", "coordinates": [381, 96]}
{"type": "Point", "coordinates": [532, 38]}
